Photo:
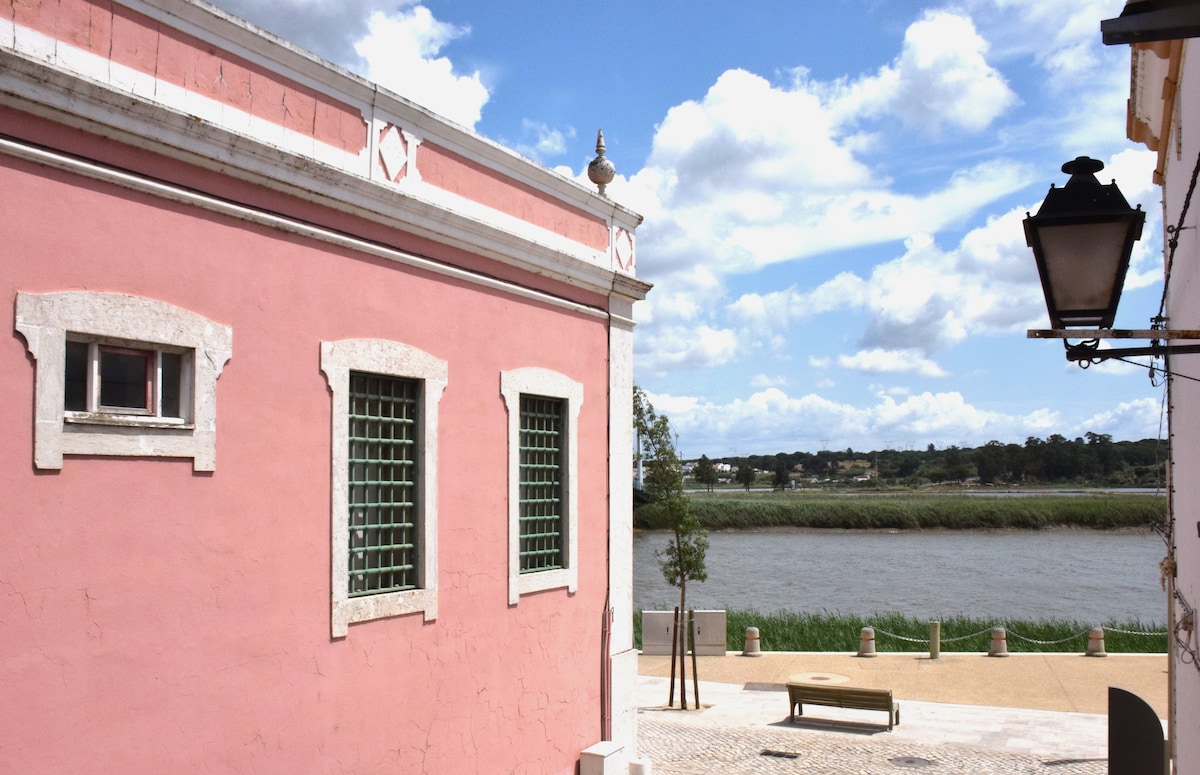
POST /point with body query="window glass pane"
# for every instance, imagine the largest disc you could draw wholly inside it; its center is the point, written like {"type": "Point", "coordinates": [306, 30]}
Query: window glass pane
{"type": "Point", "coordinates": [172, 373]}
{"type": "Point", "coordinates": [541, 491]}
{"type": "Point", "coordinates": [75, 390]}
{"type": "Point", "coordinates": [125, 378]}
{"type": "Point", "coordinates": [384, 546]}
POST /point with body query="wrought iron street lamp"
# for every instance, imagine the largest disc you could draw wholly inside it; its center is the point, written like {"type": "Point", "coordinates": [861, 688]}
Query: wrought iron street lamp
{"type": "Point", "coordinates": [1082, 238]}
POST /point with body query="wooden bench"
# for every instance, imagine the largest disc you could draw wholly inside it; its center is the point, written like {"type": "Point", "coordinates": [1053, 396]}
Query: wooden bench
{"type": "Point", "coordinates": [838, 696]}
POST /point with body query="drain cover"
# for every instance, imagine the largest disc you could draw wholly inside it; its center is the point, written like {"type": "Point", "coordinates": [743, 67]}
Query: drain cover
{"type": "Point", "coordinates": [910, 761]}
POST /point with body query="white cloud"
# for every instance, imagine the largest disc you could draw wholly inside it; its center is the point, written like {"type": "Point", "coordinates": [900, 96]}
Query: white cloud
{"type": "Point", "coordinates": [401, 52]}
{"type": "Point", "coordinates": [1066, 32]}
{"type": "Point", "coordinates": [764, 381]}
{"type": "Point", "coordinates": [925, 300]}
{"type": "Point", "coordinates": [770, 421]}
{"type": "Point", "coordinates": [676, 347]}
{"type": "Point", "coordinates": [766, 310]}
{"type": "Point", "coordinates": [1138, 419]}
{"type": "Point", "coordinates": [547, 140]}
{"type": "Point", "coordinates": [940, 80]}
{"type": "Point", "coordinates": [879, 361]}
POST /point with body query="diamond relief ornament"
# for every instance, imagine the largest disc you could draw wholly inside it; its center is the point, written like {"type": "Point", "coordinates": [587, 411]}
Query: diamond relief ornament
{"type": "Point", "coordinates": [623, 247]}
{"type": "Point", "coordinates": [392, 153]}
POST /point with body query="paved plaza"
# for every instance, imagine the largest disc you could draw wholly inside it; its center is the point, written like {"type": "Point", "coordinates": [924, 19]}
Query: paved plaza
{"type": "Point", "coordinates": [743, 725]}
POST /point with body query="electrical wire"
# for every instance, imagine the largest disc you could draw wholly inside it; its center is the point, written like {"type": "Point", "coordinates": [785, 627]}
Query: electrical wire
{"type": "Point", "coordinates": [1173, 238]}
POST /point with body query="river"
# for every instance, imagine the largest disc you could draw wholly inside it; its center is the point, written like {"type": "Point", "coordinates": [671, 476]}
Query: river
{"type": "Point", "coordinates": [1091, 576]}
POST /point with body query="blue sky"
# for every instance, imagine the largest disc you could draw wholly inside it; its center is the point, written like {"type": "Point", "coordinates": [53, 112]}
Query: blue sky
{"type": "Point", "coordinates": [833, 194]}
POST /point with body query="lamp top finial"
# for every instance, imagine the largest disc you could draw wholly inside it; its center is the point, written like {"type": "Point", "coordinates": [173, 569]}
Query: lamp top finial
{"type": "Point", "coordinates": [1083, 165]}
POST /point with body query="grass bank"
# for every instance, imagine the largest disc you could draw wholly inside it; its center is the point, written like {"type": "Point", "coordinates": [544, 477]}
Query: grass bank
{"type": "Point", "coordinates": [910, 511]}
{"type": "Point", "coordinates": [785, 631]}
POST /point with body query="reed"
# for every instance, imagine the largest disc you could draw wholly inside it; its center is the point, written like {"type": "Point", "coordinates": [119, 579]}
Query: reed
{"type": "Point", "coordinates": [911, 511]}
{"type": "Point", "coordinates": [788, 631]}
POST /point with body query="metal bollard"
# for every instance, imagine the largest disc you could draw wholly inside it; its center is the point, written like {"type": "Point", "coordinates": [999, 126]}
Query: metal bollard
{"type": "Point", "coordinates": [866, 642]}
{"type": "Point", "coordinates": [751, 649]}
{"type": "Point", "coordinates": [999, 646]}
{"type": "Point", "coordinates": [935, 639]}
{"type": "Point", "coordinates": [1095, 647]}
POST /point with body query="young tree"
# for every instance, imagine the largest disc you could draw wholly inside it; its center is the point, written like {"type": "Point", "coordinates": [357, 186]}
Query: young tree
{"type": "Point", "coordinates": [705, 472]}
{"type": "Point", "coordinates": [744, 476]}
{"type": "Point", "coordinates": [668, 508]}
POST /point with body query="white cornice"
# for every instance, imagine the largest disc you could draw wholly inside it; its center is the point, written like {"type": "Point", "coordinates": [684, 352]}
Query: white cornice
{"type": "Point", "coordinates": [29, 85]}
{"type": "Point", "coordinates": [175, 193]}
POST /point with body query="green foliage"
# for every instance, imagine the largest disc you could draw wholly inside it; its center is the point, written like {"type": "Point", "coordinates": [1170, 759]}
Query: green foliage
{"type": "Point", "coordinates": [705, 472]}
{"type": "Point", "coordinates": [906, 510]}
{"type": "Point", "coordinates": [668, 507]}
{"type": "Point", "coordinates": [1093, 458]}
{"type": "Point", "coordinates": [787, 631]}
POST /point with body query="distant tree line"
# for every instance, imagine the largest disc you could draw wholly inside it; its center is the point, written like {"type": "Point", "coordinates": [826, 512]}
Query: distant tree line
{"type": "Point", "coordinates": [1093, 458]}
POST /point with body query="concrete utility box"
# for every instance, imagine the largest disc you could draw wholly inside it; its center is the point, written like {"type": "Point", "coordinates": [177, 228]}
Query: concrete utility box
{"type": "Point", "coordinates": [604, 758]}
{"type": "Point", "coordinates": [709, 636]}
{"type": "Point", "coordinates": [658, 630]}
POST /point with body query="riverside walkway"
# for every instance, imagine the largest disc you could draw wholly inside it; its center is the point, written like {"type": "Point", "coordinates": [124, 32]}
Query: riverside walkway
{"type": "Point", "coordinates": [961, 713]}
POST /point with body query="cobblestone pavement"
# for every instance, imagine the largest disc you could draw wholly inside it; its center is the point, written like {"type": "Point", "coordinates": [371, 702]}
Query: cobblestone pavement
{"type": "Point", "coordinates": [745, 729]}
{"type": "Point", "coordinates": [676, 747]}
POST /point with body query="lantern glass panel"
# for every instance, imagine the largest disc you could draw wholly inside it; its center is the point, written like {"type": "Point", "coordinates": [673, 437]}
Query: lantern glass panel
{"type": "Point", "coordinates": [1083, 267]}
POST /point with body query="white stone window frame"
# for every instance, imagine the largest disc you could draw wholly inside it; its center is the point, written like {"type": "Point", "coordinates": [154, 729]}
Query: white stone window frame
{"type": "Point", "coordinates": [552, 384]}
{"type": "Point", "coordinates": [392, 359]}
{"type": "Point", "coordinates": [47, 320]}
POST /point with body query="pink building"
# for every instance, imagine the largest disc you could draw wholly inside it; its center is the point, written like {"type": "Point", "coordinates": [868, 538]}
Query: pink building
{"type": "Point", "coordinates": [316, 410]}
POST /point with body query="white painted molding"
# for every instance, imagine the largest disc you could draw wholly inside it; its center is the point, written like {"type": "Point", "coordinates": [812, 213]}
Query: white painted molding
{"type": "Point", "coordinates": [45, 319]}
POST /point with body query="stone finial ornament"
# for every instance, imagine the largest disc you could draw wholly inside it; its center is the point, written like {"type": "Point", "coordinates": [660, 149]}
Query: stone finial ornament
{"type": "Point", "coordinates": [601, 171]}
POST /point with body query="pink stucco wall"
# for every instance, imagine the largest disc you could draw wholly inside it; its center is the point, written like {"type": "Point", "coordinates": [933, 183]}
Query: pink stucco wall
{"type": "Point", "coordinates": [157, 620]}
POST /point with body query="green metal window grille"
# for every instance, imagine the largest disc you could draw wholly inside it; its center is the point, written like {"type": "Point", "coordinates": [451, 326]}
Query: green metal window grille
{"type": "Point", "coordinates": [384, 546]}
{"type": "Point", "coordinates": [543, 447]}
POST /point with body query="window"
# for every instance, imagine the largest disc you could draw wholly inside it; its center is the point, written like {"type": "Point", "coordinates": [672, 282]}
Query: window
{"type": "Point", "coordinates": [122, 375]}
{"type": "Point", "coordinates": [543, 412]}
{"type": "Point", "coordinates": [384, 544]}
{"type": "Point", "coordinates": [107, 379]}
{"type": "Point", "coordinates": [541, 478]}
{"type": "Point", "coordinates": [384, 479]}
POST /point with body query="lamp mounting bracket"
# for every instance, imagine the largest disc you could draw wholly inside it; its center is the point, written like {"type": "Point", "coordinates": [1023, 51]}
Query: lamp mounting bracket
{"type": "Point", "coordinates": [1112, 333]}
{"type": "Point", "coordinates": [1087, 351]}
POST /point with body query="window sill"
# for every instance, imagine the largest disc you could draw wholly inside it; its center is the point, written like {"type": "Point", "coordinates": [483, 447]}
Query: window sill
{"type": "Point", "coordinates": [127, 420]}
